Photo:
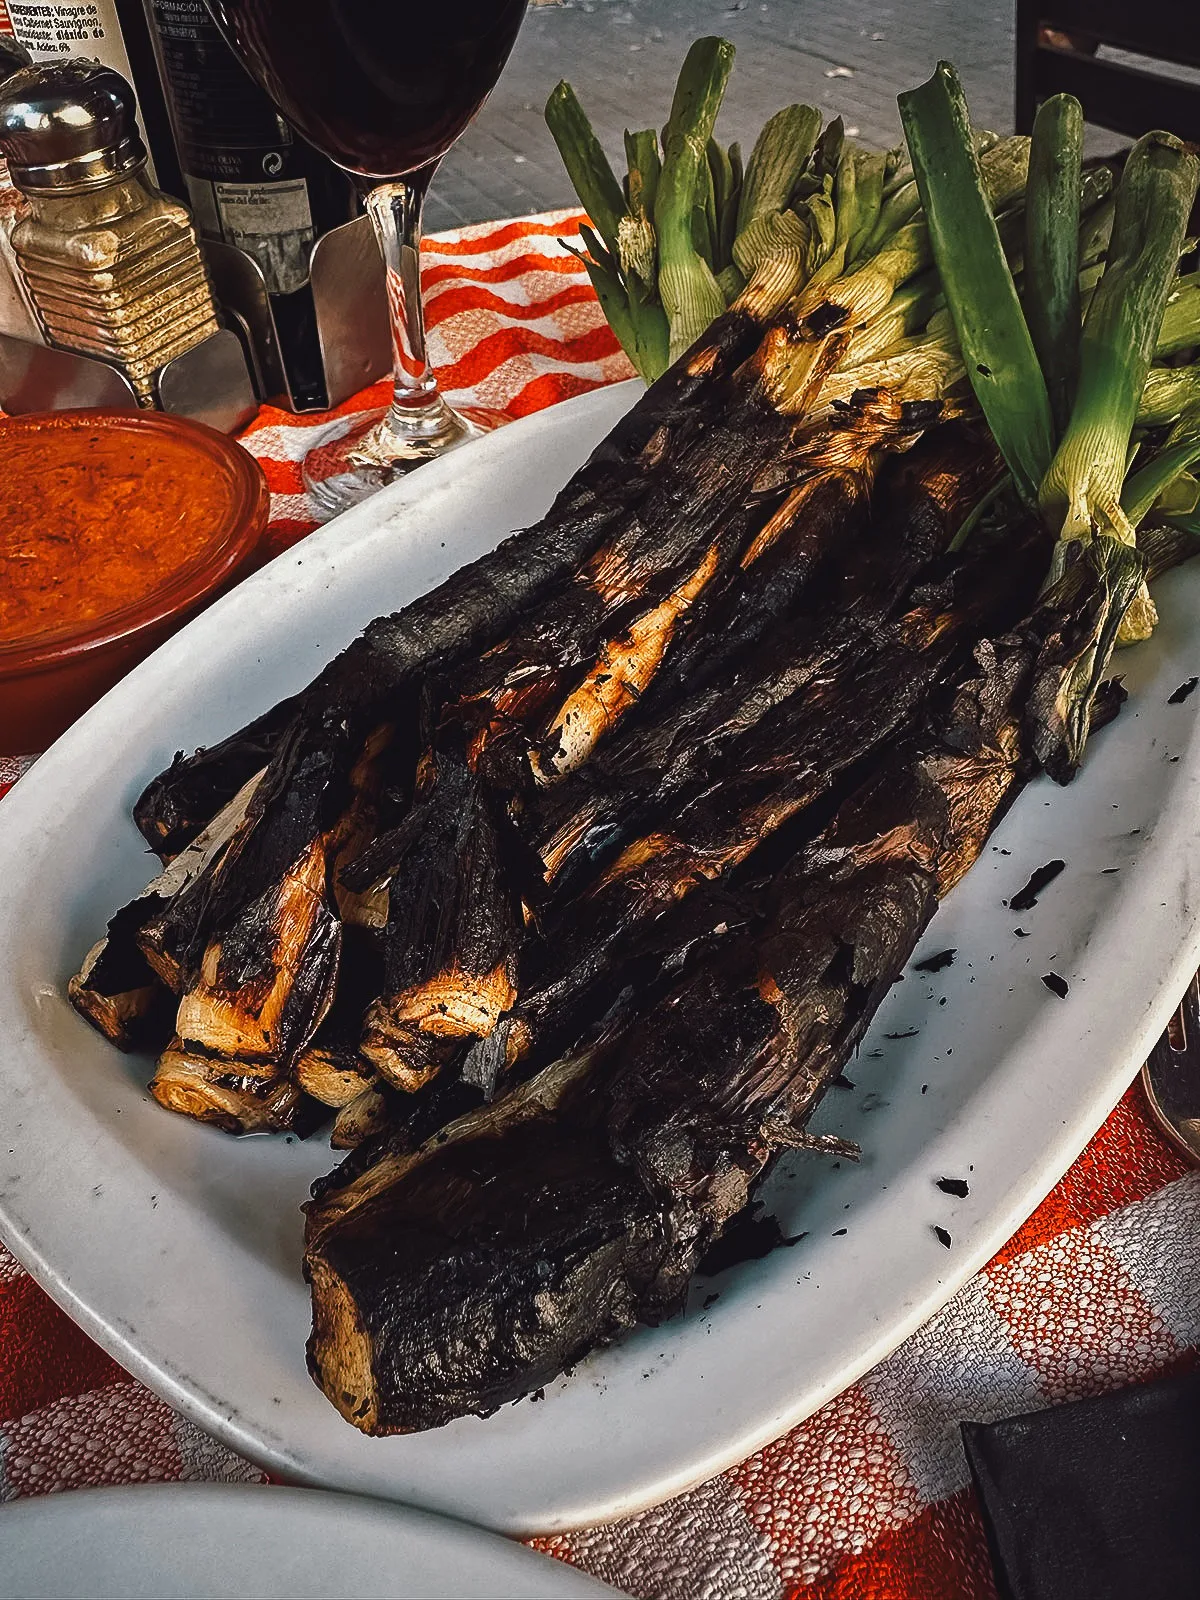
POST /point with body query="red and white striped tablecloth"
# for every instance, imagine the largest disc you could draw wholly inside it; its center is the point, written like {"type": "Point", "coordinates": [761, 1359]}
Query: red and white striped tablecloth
{"type": "Point", "coordinates": [868, 1499]}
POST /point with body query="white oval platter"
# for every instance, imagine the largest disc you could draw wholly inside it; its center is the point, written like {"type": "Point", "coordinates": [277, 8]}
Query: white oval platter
{"type": "Point", "coordinates": [178, 1248]}
{"type": "Point", "coordinates": [196, 1540]}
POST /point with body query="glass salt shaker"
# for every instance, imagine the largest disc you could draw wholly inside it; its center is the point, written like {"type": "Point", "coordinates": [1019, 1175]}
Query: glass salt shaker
{"type": "Point", "coordinates": [111, 265]}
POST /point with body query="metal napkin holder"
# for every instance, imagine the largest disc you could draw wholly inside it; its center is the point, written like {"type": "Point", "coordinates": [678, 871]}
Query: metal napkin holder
{"type": "Point", "coordinates": [224, 379]}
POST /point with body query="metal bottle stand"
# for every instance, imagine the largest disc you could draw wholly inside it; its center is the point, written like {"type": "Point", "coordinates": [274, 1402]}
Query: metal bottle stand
{"type": "Point", "coordinates": [223, 380]}
{"type": "Point", "coordinates": [350, 296]}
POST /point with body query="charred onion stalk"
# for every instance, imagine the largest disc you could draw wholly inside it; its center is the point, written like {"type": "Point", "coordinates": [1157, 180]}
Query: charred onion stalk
{"type": "Point", "coordinates": [461, 1276]}
{"type": "Point", "coordinates": [181, 801]}
{"type": "Point", "coordinates": [263, 986]}
{"type": "Point", "coordinates": [207, 1091]}
{"type": "Point", "coordinates": [799, 507]}
{"type": "Point", "coordinates": [584, 659]}
{"type": "Point", "coordinates": [449, 944]}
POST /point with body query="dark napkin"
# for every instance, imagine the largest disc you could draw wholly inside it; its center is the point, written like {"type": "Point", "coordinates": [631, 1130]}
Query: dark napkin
{"type": "Point", "coordinates": [1097, 1500]}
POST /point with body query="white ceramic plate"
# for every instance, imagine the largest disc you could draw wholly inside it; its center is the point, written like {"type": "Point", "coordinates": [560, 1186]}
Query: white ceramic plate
{"type": "Point", "coordinates": [179, 1248]}
{"type": "Point", "coordinates": [192, 1541]}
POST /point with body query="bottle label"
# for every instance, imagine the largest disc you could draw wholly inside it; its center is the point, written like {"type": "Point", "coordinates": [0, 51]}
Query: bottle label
{"type": "Point", "coordinates": [273, 223]}
{"type": "Point", "coordinates": [67, 28]}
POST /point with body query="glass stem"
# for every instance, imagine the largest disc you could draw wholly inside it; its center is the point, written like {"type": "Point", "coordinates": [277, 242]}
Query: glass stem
{"type": "Point", "coordinates": [395, 209]}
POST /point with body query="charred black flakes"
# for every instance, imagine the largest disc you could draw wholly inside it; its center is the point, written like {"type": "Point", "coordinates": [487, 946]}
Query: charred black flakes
{"type": "Point", "coordinates": [1056, 985]}
{"type": "Point", "coordinates": [1025, 899]}
{"type": "Point", "coordinates": [943, 1236]}
{"type": "Point", "coordinates": [936, 963]}
{"type": "Point", "coordinates": [955, 1186]}
{"type": "Point", "coordinates": [1178, 696]}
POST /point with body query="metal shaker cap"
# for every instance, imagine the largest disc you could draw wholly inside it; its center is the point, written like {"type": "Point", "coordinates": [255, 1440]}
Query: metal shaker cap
{"type": "Point", "coordinates": [67, 127]}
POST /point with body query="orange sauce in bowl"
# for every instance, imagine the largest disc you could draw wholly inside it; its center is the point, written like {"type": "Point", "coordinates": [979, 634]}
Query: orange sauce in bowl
{"type": "Point", "coordinates": [97, 517]}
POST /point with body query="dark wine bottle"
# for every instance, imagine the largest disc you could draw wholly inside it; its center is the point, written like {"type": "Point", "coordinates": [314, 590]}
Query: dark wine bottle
{"type": "Point", "coordinates": [250, 179]}
{"type": "Point", "coordinates": [217, 142]}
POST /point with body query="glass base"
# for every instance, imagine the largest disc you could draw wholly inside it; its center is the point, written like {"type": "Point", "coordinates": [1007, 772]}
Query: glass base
{"type": "Point", "coordinates": [357, 458]}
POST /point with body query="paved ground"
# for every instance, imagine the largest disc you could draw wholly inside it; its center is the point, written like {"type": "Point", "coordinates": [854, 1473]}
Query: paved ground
{"type": "Point", "coordinates": [848, 56]}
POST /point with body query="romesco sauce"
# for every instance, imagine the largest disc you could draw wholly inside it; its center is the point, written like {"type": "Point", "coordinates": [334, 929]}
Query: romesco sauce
{"type": "Point", "coordinates": [98, 515]}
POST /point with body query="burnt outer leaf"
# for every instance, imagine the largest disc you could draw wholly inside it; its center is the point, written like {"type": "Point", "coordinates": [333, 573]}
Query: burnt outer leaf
{"type": "Point", "coordinates": [450, 944]}
{"type": "Point", "coordinates": [688, 532]}
{"type": "Point", "coordinates": [175, 806]}
{"type": "Point", "coordinates": [117, 991]}
{"type": "Point", "coordinates": [447, 1314]}
{"type": "Point", "coordinates": [1106, 705]}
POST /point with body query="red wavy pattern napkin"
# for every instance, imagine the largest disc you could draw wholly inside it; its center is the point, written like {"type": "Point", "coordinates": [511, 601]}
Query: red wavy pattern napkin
{"type": "Point", "coordinates": [868, 1499]}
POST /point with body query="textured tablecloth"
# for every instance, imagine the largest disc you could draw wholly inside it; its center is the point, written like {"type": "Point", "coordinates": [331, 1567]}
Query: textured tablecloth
{"type": "Point", "coordinates": [867, 1500]}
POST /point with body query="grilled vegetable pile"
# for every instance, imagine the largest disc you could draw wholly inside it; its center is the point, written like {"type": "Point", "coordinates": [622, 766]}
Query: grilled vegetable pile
{"type": "Point", "coordinates": [571, 886]}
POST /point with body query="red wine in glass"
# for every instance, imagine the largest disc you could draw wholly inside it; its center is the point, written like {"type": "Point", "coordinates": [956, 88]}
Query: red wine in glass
{"type": "Point", "coordinates": [383, 90]}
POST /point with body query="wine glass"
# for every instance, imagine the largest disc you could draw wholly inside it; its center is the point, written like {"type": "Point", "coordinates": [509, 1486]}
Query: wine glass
{"type": "Point", "coordinates": [384, 91]}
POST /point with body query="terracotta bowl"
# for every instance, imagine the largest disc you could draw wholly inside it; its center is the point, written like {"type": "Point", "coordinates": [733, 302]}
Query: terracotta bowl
{"type": "Point", "coordinates": [50, 678]}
